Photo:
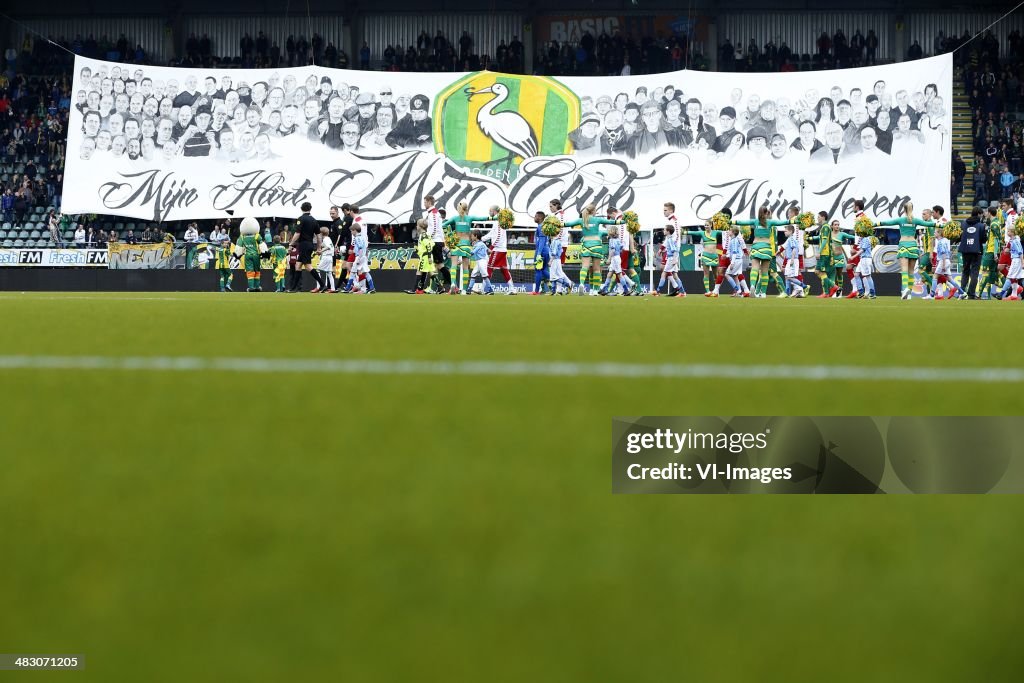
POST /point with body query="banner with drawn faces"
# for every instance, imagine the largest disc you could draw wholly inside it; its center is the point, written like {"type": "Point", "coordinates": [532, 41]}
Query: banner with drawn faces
{"type": "Point", "coordinates": [162, 143]}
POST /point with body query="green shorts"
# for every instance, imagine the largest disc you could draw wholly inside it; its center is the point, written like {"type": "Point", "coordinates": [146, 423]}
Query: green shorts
{"type": "Point", "coordinates": [762, 251]}
{"type": "Point", "coordinates": [592, 251]}
{"type": "Point", "coordinates": [908, 251]}
{"type": "Point", "coordinates": [709, 259]}
{"type": "Point", "coordinates": [988, 261]}
{"type": "Point", "coordinates": [925, 265]}
{"type": "Point", "coordinates": [461, 252]}
{"type": "Point", "coordinates": [824, 264]}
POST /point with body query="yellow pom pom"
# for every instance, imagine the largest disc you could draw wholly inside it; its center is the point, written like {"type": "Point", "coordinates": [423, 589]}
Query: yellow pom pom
{"type": "Point", "coordinates": [864, 226]}
{"type": "Point", "coordinates": [506, 218]}
{"type": "Point", "coordinates": [551, 226]}
{"type": "Point", "coordinates": [720, 222]}
{"type": "Point", "coordinates": [632, 222]}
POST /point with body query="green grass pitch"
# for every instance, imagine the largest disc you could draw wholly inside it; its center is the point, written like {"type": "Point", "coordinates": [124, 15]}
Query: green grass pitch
{"type": "Point", "coordinates": [221, 526]}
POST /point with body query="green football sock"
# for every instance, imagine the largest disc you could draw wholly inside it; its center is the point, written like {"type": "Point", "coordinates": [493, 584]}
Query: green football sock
{"type": "Point", "coordinates": [707, 281]}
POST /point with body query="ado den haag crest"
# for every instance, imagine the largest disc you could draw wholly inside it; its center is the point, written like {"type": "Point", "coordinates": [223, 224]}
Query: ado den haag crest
{"type": "Point", "coordinates": [490, 123]}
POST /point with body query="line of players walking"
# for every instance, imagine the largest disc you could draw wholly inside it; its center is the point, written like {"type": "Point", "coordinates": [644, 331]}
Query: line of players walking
{"type": "Point", "coordinates": [723, 246]}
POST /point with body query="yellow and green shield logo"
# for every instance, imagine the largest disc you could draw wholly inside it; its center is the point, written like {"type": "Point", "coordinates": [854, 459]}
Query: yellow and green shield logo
{"type": "Point", "coordinates": [490, 122]}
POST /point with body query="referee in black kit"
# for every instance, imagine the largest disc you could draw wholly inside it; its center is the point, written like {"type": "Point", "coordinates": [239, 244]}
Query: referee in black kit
{"type": "Point", "coordinates": [303, 238]}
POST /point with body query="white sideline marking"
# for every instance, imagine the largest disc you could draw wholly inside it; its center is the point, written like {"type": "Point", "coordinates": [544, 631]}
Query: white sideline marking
{"type": "Point", "coordinates": [515, 368]}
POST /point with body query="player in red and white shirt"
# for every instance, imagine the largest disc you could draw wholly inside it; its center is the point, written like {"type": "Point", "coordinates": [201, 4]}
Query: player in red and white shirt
{"type": "Point", "coordinates": [670, 219]}
{"type": "Point", "coordinates": [1009, 217]}
{"type": "Point", "coordinates": [723, 258]}
{"type": "Point", "coordinates": [498, 237]}
{"type": "Point", "coordinates": [555, 207]}
{"type": "Point", "coordinates": [433, 217]}
{"type": "Point", "coordinates": [928, 242]}
{"type": "Point", "coordinates": [670, 216]}
{"type": "Point", "coordinates": [854, 259]}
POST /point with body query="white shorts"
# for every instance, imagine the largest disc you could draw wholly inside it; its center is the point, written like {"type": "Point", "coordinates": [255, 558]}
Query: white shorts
{"type": "Point", "coordinates": [1015, 272]}
{"type": "Point", "coordinates": [672, 265]}
{"type": "Point", "coordinates": [615, 265]}
{"type": "Point", "coordinates": [793, 268]}
{"type": "Point", "coordinates": [942, 266]}
{"type": "Point", "coordinates": [864, 267]}
{"type": "Point", "coordinates": [361, 265]}
{"type": "Point", "coordinates": [735, 267]}
{"type": "Point", "coordinates": [479, 268]}
{"type": "Point", "coordinates": [325, 264]}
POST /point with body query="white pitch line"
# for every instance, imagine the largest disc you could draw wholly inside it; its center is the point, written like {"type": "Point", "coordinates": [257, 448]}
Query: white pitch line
{"type": "Point", "coordinates": [515, 368]}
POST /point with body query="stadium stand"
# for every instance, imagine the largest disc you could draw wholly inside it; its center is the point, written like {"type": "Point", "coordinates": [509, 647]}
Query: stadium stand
{"type": "Point", "coordinates": [35, 98]}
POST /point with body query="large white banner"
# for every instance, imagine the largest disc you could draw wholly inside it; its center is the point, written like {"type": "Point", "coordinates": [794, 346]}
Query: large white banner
{"type": "Point", "coordinates": [167, 144]}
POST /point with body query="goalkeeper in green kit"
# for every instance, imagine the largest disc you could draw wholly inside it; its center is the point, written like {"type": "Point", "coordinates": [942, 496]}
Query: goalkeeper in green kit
{"type": "Point", "coordinates": [251, 248]}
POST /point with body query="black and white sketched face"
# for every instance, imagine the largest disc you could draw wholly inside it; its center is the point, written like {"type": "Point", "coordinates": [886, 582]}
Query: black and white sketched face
{"type": "Point", "coordinates": [88, 147]}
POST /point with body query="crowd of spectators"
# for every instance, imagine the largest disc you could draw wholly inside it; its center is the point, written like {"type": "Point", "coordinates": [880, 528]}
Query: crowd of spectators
{"type": "Point", "coordinates": [429, 53]}
{"type": "Point", "coordinates": [833, 52]}
{"type": "Point", "coordinates": [439, 53]}
{"type": "Point", "coordinates": [994, 89]}
{"type": "Point", "coordinates": [39, 56]}
{"type": "Point", "coordinates": [616, 55]}
{"type": "Point", "coordinates": [33, 121]}
{"type": "Point", "coordinates": [260, 52]}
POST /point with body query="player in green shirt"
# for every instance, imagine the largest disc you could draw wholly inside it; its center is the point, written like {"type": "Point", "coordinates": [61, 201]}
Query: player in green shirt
{"type": "Point", "coordinates": [279, 262]}
{"type": "Point", "coordinates": [762, 253]}
{"type": "Point", "coordinates": [840, 235]}
{"type": "Point", "coordinates": [908, 251]}
{"type": "Point", "coordinates": [993, 248]}
{"type": "Point", "coordinates": [223, 264]}
{"type": "Point", "coordinates": [425, 270]}
{"type": "Point", "coordinates": [462, 223]}
{"type": "Point", "coordinates": [825, 267]}
{"type": "Point", "coordinates": [927, 242]}
{"type": "Point", "coordinates": [592, 249]}
{"type": "Point", "coordinates": [709, 252]}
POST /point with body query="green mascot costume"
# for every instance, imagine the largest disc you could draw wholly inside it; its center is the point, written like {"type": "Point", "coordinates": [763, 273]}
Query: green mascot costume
{"type": "Point", "coordinates": [251, 248]}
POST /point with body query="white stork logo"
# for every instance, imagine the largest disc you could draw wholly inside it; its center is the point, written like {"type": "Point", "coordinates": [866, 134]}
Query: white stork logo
{"type": "Point", "coordinates": [508, 128]}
